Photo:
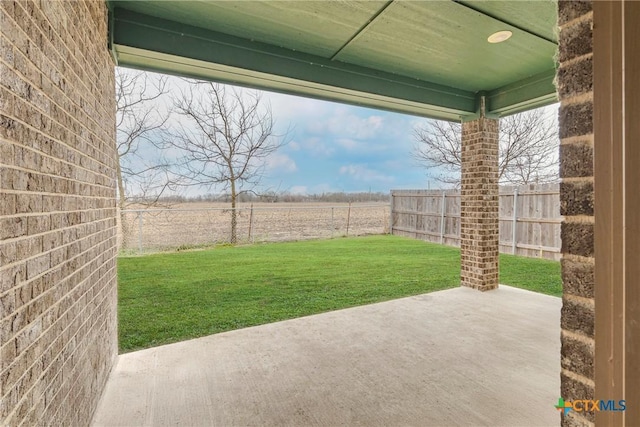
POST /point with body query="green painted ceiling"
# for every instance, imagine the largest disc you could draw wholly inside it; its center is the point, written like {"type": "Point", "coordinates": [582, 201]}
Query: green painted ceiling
{"type": "Point", "coordinates": [428, 58]}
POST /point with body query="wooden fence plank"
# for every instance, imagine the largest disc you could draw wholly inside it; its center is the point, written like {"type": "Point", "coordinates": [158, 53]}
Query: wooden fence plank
{"type": "Point", "coordinates": [420, 214]}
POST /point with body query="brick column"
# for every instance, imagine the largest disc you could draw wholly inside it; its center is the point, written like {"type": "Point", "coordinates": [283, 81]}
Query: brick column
{"type": "Point", "coordinates": [479, 204]}
{"type": "Point", "coordinates": [575, 89]}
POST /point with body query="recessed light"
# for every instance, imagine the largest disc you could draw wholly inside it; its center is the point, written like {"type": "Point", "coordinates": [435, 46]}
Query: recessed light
{"type": "Point", "coordinates": [499, 36]}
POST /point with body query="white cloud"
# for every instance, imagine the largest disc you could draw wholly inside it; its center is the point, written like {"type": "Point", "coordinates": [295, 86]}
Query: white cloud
{"type": "Point", "coordinates": [299, 189]}
{"type": "Point", "coordinates": [282, 163]}
{"type": "Point", "coordinates": [375, 121]}
{"type": "Point", "coordinates": [371, 145]}
{"type": "Point", "coordinates": [354, 126]}
{"type": "Point", "coordinates": [347, 143]}
{"type": "Point", "coordinates": [363, 173]}
{"type": "Point", "coordinates": [322, 188]}
{"type": "Point", "coordinates": [293, 146]}
{"type": "Point", "coordinates": [316, 126]}
{"type": "Point", "coordinates": [339, 120]}
{"type": "Point", "coordinates": [290, 108]}
{"type": "Point", "coordinates": [318, 147]}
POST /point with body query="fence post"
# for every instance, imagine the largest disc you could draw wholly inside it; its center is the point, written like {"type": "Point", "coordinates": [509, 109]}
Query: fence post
{"type": "Point", "coordinates": [391, 199]}
{"type": "Point", "coordinates": [140, 231]}
{"type": "Point", "coordinates": [250, 222]}
{"type": "Point", "coordinates": [332, 227]}
{"type": "Point", "coordinates": [514, 222]}
{"type": "Point", "coordinates": [443, 209]}
{"type": "Point", "coordinates": [348, 218]}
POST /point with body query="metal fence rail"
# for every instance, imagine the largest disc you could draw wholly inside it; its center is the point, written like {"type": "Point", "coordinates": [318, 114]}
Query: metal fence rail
{"type": "Point", "coordinates": [194, 225]}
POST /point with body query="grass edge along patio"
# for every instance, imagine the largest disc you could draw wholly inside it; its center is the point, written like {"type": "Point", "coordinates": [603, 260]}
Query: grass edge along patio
{"type": "Point", "coordinates": [170, 297]}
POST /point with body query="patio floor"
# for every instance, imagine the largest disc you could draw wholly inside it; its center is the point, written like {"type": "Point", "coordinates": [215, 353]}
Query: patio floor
{"type": "Point", "coordinates": [454, 357]}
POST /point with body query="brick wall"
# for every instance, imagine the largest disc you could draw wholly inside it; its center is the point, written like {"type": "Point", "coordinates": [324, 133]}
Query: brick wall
{"type": "Point", "coordinates": [575, 88]}
{"type": "Point", "coordinates": [479, 205]}
{"type": "Point", "coordinates": [57, 211]}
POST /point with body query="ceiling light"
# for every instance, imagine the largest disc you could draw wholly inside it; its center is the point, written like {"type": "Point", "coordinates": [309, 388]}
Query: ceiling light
{"type": "Point", "coordinates": [499, 36]}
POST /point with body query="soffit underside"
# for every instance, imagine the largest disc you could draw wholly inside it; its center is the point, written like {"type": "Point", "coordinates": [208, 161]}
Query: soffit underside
{"type": "Point", "coordinates": [425, 58]}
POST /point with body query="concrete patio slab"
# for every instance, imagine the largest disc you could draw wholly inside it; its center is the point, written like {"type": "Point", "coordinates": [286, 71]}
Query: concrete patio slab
{"type": "Point", "coordinates": [455, 357]}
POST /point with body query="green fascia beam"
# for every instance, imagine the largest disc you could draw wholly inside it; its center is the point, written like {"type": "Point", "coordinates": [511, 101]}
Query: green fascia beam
{"type": "Point", "coordinates": [146, 42]}
{"type": "Point", "coordinates": [533, 92]}
{"type": "Point", "coordinates": [185, 67]}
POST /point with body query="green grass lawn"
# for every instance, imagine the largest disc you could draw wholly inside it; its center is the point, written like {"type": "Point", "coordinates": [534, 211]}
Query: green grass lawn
{"type": "Point", "coordinates": [170, 297]}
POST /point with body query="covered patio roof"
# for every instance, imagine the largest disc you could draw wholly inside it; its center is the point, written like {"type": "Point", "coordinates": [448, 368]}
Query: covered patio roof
{"type": "Point", "coordinates": [426, 58]}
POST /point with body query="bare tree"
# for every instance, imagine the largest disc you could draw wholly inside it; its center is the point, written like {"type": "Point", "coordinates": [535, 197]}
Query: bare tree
{"type": "Point", "coordinates": [225, 136]}
{"type": "Point", "coordinates": [528, 148]}
{"type": "Point", "coordinates": [142, 173]}
{"type": "Point", "coordinates": [141, 170]}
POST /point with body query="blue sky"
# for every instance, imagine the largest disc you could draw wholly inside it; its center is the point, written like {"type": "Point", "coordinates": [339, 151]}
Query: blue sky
{"type": "Point", "coordinates": [332, 147]}
{"type": "Point", "coordinates": [337, 147]}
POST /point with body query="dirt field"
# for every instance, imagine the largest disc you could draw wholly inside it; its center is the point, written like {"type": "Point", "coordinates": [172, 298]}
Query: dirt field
{"type": "Point", "coordinates": [199, 224]}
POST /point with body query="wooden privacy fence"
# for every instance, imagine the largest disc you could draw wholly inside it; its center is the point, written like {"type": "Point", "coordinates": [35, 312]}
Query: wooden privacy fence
{"type": "Point", "coordinates": [529, 218]}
